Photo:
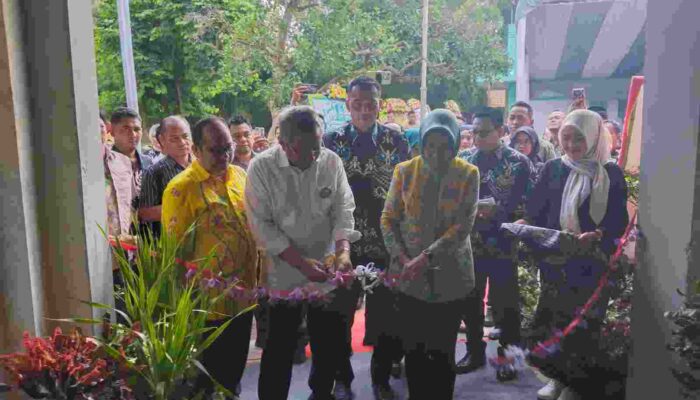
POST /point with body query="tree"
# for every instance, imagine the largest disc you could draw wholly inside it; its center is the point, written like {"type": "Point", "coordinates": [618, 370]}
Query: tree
{"type": "Point", "coordinates": [212, 56]}
{"type": "Point", "coordinates": [181, 65]}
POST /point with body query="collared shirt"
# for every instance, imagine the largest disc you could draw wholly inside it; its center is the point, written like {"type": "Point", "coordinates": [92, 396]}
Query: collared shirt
{"type": "Point", "coordinates": [309, 209]}
{"type": "Point", "coordinates": [217, 207]}
{"type": "Point", "coordinates": [369, 166]}
{"type": "Point", "coordinates": [153, 184]}
{"type": "Point", "coordinates": [243, 165]}
{"type": "Point", "coordinates": [505, 175]}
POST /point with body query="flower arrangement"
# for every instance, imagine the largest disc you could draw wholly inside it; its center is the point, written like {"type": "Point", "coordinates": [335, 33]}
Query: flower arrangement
{"type": "Point", "coordinates": [66, 367]}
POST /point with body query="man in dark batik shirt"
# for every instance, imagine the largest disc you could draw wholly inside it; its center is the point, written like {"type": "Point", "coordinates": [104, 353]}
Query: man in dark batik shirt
{"type": "Point", "coordinates": [370, 151]}
{"type": "Point", "coordinates": [504, 176]}
{"type": "Point", "coordinates": [173, 136]}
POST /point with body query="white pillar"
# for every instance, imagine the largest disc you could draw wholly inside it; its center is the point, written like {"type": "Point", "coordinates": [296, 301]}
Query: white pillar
{"type": "Point", "coordinates": [522, 72]}
{"type": "Point", "coordinates": [669, 191]}
{"type": "Point", "coordinates": [424, 62]}
{"type": "Point", "coordinates": [51, 174]}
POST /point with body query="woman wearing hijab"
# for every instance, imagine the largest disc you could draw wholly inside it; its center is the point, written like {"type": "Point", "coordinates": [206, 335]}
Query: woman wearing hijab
{"type": "Point", "coordinates": [426, 222]}
{"type": "Point", "coordinates": [526, 141]}
{"type": "Point", "coordinates": [584, 194]}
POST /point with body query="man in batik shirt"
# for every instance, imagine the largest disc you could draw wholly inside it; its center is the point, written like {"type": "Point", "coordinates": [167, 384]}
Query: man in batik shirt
{"type": "Point", "coordinates": [370, 151]}
{"type": "Point", "coordinates": [504, 176]}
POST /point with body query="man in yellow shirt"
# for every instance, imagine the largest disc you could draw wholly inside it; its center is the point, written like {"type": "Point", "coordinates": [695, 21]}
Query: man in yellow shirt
{"type": "Point", "coordinates": [209, 193]}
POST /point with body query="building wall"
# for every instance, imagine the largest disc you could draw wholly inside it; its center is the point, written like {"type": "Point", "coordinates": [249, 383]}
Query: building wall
{"type": "Point", "coordinates": [669, 209]}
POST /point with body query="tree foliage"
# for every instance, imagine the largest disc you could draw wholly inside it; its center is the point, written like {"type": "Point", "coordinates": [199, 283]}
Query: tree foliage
{"type": "Point", "coordinates": [218, 56]}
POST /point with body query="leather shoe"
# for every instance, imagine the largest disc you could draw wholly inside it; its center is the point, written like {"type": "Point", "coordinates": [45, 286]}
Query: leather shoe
{"type": "Point", "coordinates": [342, 391]}
{"type": "Point", "coordinates": [383, 392]}
{"type": "Point", "coordinates": [470, 363]}
{"type": "Point", "coordinates": [506, 373]}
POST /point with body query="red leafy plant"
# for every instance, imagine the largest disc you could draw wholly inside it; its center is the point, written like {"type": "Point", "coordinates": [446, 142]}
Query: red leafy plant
{"type": "Point", "coordinates": [65, 367]}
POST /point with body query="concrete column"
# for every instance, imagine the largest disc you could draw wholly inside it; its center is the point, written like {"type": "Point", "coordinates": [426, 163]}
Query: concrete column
{"type": "Point", "coordinates": [669, 208]}
{"type": "Point", "coordinates": [522, 73]}
{"type": "Point", "coordinates": [51, 173]}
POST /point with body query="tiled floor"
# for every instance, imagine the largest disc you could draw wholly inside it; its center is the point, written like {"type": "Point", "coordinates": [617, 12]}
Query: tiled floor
{"type": "Point", "coordinates": [479, 385]}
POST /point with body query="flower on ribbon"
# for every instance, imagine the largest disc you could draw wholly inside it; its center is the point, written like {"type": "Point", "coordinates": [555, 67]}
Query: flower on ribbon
{"type": "Point", "coordinates": [297, 295]}
{"type": "Point", "coordinates": [236, 292]}
{"type": "Point", "coordinates": [260, 292]}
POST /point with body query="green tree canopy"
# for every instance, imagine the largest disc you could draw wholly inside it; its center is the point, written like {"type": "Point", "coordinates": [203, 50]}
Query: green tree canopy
{"type": "Point", "coordinates": [197, 57]}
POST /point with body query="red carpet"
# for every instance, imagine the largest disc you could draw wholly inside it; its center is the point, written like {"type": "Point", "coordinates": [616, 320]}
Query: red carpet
{"type": "Point", "coordinates": [358, 335]}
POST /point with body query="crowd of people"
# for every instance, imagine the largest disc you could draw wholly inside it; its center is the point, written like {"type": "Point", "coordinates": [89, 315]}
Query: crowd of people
{"type": "Point", "coordinates": [425, 205]}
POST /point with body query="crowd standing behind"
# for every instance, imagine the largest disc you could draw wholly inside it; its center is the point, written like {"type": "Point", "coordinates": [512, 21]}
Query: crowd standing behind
{"type": "Point", "coordinates": [283, 210]}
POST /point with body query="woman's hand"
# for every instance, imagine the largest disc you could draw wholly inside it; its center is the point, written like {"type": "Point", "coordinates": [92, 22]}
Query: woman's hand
{"type": "Point", "coordinates": [415, 267]}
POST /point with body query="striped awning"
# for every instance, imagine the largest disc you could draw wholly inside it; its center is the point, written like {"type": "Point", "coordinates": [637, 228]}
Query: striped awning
{"type": "Point", "coordinates": [581, 39]}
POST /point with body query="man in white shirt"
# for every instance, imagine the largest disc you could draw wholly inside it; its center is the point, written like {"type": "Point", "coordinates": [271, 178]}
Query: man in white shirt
{"type": "Point", "coordinates": [300, 208]}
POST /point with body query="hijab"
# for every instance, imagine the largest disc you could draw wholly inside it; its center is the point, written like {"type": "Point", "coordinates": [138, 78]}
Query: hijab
{"type": "Point", "coordinates": [588, 177]}
{"type": "Point", "coordinates": [440, 121]}
{"type": "Point", "coordinates": [534, 139]}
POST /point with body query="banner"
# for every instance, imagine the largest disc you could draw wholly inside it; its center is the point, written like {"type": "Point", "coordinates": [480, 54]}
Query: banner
{"type": "Point", "coordinates": [334, 112]}
{"type": "Point", "coordinates": [631, 150]}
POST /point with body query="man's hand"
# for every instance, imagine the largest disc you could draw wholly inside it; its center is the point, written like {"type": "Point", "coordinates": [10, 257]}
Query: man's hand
{"type": "Point", "coordinates": [588, 238]}
{"type": "Point", "coordinates": [343, 262]}
{"type": "Point", "coordinates": [415, 267]}
{"type": "Point", "coordinates": [313, 270]}
{"type": "Point", "coordinates": [521, 222]}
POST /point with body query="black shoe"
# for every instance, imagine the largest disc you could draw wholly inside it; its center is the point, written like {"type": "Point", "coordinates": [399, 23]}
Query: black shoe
{"type": "Point", "coordinates": [396, 370]}
{"type": "Point", "coordinates": [342, 391]}
{"type": "Point", "coordinates": [470, 363]}
{"type": "Point", "coordinates": [383, 392]}
{"type": "Point", "coordinates": [505, 372]}
{"type": "Point", "coordinates": [300, 355]}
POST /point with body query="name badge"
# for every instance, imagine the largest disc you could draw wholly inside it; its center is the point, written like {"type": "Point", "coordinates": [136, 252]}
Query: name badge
{"type": "Point", "coordinates": [325, 192]}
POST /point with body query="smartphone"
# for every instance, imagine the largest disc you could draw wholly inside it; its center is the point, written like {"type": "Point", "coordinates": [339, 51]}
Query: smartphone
{"type": "Point", "coordinates": [578, 93]}
{"type": "Point", "coordinates": [309, 87]}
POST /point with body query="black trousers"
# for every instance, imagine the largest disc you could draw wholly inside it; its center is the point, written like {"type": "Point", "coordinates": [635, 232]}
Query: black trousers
{"type": "Point", "coordinates": [226, 358]}
{"type": "Point", "coordinates": [430, 334]}
{"type": "Point", "coordinates": [328, 337]}
{"type": "Point", "coordinates": [503, 297]}
{"type": "Point", "coordinates": [381, 317]}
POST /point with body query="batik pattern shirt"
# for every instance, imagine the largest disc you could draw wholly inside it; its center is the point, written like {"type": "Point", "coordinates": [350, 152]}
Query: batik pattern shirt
{"type": "Point", "coordinates": [425, 212]}
{"type": "Point", "coordinates": [216, 207]}
{"type": "Point", "coordinates": [505, 176]}
{"type": "Point", "coordinates": [369, 161]}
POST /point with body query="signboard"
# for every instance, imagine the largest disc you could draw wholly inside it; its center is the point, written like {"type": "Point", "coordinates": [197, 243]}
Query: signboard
{"type": "Point", "coordinates": [496, 98]}
{"type": "Point", "coordinates": [334, 112]}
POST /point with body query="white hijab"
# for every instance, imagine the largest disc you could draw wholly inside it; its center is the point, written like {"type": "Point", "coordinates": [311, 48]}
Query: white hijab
{"type": "Point", "coordinates": [587, 177]}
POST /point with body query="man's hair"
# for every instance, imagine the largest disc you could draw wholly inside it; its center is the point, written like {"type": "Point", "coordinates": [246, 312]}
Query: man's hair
{"type": "Point", "coordinates": [616, 125]}
{"type": "Point", "coordinates": [103, 116]}
{"type": "Point", "coordinates": [123, 113]}
{"type": "Point", "coordinates": [238, 120]}
{"type": "Point", "coordinates": [492, 114]}
{"type": "Point", "coordinates": [600, 111]}
{"type": "Point", "coordinates": [297, 121]}
{"type": "Point", "coordinates": [364, 83]}
{"type": "Point", "coordinates": [167, 121]}
{"type": "Point", "coordinates": [198, 131]}
{"type": "Point", "coordinates": [524, 105]}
